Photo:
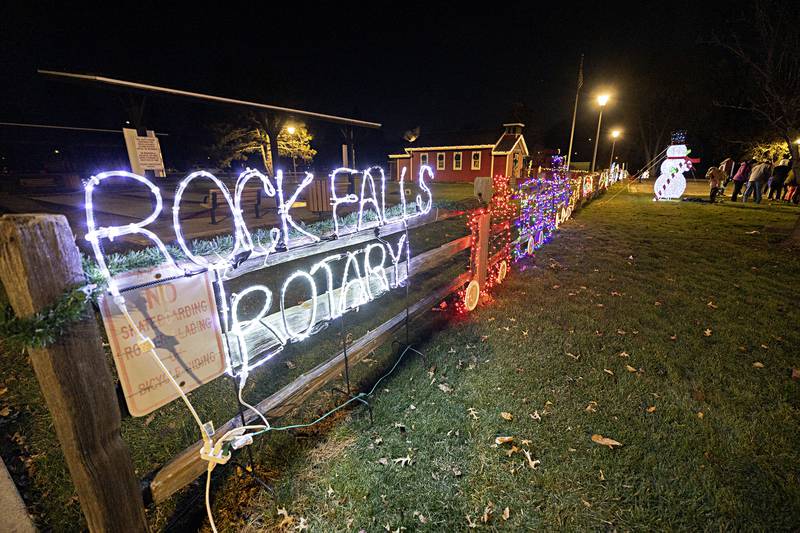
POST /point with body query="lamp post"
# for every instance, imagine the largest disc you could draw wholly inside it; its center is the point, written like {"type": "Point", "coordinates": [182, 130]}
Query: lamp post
{"type": "Point", "coordinates": [602, 100]}
{"type": "Point", "coordinates": [614, 136]}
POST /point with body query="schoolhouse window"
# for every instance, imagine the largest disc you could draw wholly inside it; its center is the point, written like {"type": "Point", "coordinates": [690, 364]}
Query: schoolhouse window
{"type": "Point", "coordinates": [476, 161]}
{"type": "Point", "coordinates": [423, 159]}
{"type": "Point", "coordinates": [457, 161]}
{"type": "Point", "coordinates": [440, 161]}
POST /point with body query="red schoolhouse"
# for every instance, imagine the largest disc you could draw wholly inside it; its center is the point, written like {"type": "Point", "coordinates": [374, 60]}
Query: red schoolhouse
{"type": "Point", "coordinates": [465, 162]}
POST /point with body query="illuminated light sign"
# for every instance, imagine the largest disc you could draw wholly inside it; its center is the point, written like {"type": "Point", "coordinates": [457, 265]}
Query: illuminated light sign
{"type": "Point", "coordinates": [366, 273]}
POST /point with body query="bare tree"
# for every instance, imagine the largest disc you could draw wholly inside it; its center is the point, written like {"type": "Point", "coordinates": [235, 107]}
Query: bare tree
{"type": "Point", "coordinates": [766, 47]}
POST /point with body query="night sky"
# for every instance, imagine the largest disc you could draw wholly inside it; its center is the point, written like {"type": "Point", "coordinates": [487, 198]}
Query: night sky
{"type": "Point", "coordinates": [443, 68]}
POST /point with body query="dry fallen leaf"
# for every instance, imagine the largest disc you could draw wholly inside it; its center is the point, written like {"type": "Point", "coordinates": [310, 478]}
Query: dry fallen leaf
{"type": "Point", "coordinates": [5, 411]}
{"type": "Point", "coordinates": [711, 305]}
{"type": "Point", "coordinates": [471, 523]}
{"type": "Point", "coordinates": [444, 387]}
{"type": "Point", "coordinates": [707, 332]}
{"type": "Point", "coordinates": [511, 451]}
{"type": "Point", "coordinates": [506, 513]}
{"type": "Point", "coordinates": [624, 354]}
{"type": "Point", "coordinates": [506, 416]}
{"type": "Point", "coordinates": [607, 371]}
{"type": "Point", "coordinates": [287, 519]}
{"type": "Point", "coordinates": [700, 415]}
{"type": "Point", "coordinates": [605, 441]}
{"type": "Point", "coordinates": [758, 364]}
{"type": "Point", "coordinates": [629, 368]}
{"type": "Point", "coordinates": [592, 407]}
{"type": "Point", "coordinates": [651, 409]}
{"type": "Point", "coordinates": [384, 461]}
{"type": "Point", "coordinates": [487, 513]}
{"type": "Point", "coordinates": [503, 440]}
{"type": "Point", "coordinates": [795, 374]}
{"type": "Point", "coordinates": [403, 461]}
{"type": "Point", "coordinates": [532, 463]}
{"type": "Point", "coordinates": [473, 413]}
{"type": "Point", "coordinates": [536, 416]}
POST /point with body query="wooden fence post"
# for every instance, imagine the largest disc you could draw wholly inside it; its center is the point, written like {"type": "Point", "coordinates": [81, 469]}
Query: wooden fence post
{"type": "Point", "coordinates": [482, 258]}
{"type": "Point", "coordinates": [38, 263]}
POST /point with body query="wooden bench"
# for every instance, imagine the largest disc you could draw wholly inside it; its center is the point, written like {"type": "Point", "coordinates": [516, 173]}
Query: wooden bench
{"type": "Point", "coordinates": [249, 195]}
{"type": "Point", "coordinates": [319, 197]}
{"type": "Point", "coordinates": [318, 193]}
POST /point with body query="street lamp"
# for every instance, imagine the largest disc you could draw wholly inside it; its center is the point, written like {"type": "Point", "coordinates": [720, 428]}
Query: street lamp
{"type": "Point", "coordinates": [602, 100]}
{"type": "Point", "coordinates": [614, 136]}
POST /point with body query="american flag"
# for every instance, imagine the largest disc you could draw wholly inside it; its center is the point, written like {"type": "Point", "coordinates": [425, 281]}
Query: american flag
{"type": "Point", "coordinates": [580, 74]}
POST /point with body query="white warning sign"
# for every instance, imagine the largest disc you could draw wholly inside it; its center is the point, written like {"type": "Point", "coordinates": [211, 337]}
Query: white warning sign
{"type": "Point", "coordinates": [180, 317]}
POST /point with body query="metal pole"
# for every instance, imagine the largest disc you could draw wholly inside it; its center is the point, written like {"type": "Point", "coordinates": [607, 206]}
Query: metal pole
{"type": "Point", "coordinates": [611, 161]}
{"type": "Point", "coordinates": [597, 137]}
{"type": "Point", "coordinates": [574, 115]}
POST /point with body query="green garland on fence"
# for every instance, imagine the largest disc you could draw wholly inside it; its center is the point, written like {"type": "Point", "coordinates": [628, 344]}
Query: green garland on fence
{"type": "Point", "coordinates": [45, 327]}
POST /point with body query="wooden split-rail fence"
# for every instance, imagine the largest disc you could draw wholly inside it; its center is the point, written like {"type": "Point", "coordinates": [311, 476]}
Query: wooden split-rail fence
{"type": "Point", "coordinates": [39, 261]}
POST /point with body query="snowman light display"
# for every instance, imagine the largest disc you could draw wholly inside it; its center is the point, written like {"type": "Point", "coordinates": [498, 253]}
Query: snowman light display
{"type": "Point", "coordinates": [671, 183]}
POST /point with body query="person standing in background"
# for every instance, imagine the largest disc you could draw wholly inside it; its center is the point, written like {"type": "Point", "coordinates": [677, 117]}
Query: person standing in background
{"type": "Point", "coordinates": [758, 176]}
{"type": "Point", "coordinates": [727, 166]}
{"type": "Point", "coordinates": [716, 178]}
{"type": "Point", "coordinates": [741, 176]}
{"type": "Point", "coordinates": [779, 174]}
{"type": "Point", "coordinates": [791, 187]}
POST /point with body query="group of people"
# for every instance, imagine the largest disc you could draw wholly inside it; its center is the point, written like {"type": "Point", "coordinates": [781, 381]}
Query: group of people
{"type": "Point", "coordinates": [758, 178]}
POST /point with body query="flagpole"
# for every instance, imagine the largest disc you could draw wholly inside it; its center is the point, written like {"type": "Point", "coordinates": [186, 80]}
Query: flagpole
{"type": "Point", "coordinates": [575, 112]}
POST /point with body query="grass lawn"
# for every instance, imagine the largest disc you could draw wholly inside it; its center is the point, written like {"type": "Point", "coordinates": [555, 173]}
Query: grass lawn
{"type": "Point", "coordinates": [669, 327]}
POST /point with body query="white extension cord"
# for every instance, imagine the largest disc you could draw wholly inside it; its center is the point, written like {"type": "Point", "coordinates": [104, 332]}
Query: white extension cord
{"type": "Point", "coordinates": [212, 452]}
